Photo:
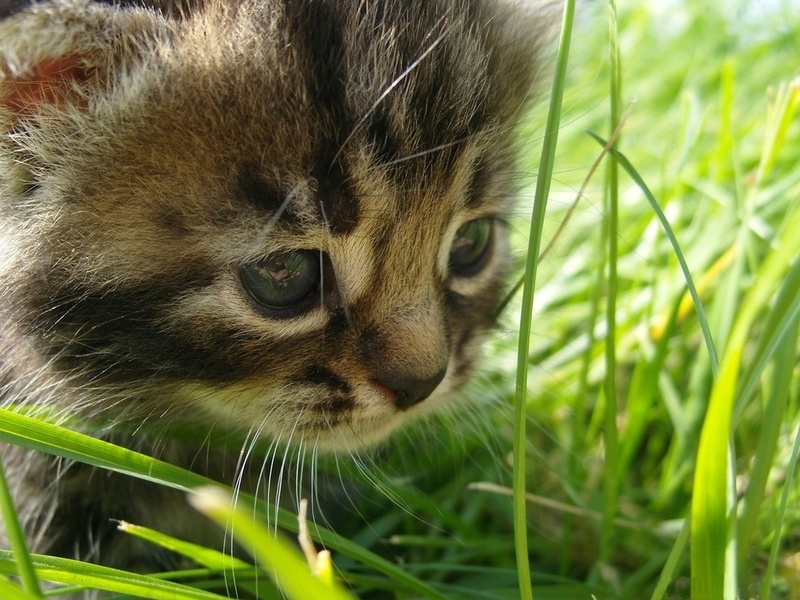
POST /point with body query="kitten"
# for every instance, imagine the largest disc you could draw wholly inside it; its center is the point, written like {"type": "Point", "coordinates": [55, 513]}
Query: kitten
{"type": "Point", "coordinates": [282, 218]}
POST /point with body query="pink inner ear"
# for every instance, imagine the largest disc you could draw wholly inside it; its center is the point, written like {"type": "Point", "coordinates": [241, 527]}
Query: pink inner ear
{"type": "Point", "coordinates": [49, 82]}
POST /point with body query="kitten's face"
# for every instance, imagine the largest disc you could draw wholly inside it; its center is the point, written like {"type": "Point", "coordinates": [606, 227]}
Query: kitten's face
{"type": "Point", "coordinates": [284, 216]}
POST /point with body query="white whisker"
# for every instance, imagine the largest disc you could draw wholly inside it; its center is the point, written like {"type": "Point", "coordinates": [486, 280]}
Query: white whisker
{"type": "Point", "coordinates": [293, 193]}
{"type": "Point", "coordinates": [423, 153]}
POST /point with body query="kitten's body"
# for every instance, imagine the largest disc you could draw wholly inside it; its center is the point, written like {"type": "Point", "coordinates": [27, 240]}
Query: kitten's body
{"type": "Point", "coordinates": [279, 218]}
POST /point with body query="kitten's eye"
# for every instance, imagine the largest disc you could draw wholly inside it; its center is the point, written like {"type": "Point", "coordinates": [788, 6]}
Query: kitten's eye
{"type": "Point", "coordinates": [283, 281]}
{"type": "Point", "coordinates": [471, 247]}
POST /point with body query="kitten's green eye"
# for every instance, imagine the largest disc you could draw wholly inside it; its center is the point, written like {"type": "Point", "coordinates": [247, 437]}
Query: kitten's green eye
{"type": "Point", "coordinates": [283, 282]}
{"type": "Point", "coordinates": [471, 247]}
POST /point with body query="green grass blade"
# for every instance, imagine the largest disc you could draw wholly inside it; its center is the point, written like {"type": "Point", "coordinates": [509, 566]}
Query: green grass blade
{"type": "Point", "coordinates": [709, 516]}
{"type": "Point", "coordinates": [779, 344]}
{"type": "Point", "coordinates": [534, 244]}
{"type": "Point", "coordinates": [16, 537]}
{"type": "Point", "coordinates": [280, 559]}
{"type": "Point", "coordinates": [85, 575]}
{"type": "Point", "coordinates": [610, 433]}
{"type": "Point", "coordinates": [206, 557]}
{"type": "Point", "coordinates": [671, 565]}
{"type": "Point", "coordinates": [33, 433]}
{"type": "Point", "coordinates": [709, 497]}
{"type": "Point", "coordinates": [9, 591]}
{"type": "Point", "coordinates": [698, 303]}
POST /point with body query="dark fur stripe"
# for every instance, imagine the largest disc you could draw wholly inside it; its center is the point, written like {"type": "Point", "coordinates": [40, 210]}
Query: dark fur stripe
{"type": "Point", "coordinates": [258, 192]}
{"type": "Point", "coordinates": [322, 376]}
{"type": "Point", "coordinates": [336, 202]}
{"type": "Point", "coordinates": [119, 336]}
{"type": "Point", "coordinates": [9, 7]}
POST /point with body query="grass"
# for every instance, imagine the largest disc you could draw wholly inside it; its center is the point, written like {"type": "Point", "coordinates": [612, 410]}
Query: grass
{"type": "Point", "coordinates": [660, 440]}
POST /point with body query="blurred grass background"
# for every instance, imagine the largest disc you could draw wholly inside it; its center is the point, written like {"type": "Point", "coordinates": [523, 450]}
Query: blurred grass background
{"type": "Point", "coordinates": [713, 132]}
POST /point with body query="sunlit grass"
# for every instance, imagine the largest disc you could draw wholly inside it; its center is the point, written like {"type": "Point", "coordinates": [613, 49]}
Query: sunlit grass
{"type": "Point", "coordinates": [699, 408]}
{"type": "Point", "coordinates": [704, 124]}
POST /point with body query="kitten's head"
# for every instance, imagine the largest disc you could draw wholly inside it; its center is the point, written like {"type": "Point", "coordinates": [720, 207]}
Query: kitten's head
{"type": "Point", "coordinates": [287, 215]}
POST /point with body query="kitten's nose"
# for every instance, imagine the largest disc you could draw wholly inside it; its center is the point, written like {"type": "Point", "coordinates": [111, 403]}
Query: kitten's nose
{"type": "Point", "coordinates": [411, 390]}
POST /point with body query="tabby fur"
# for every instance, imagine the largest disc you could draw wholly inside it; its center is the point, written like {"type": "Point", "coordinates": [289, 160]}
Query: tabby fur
{"type": "Point", "coordinates": [148, 152]}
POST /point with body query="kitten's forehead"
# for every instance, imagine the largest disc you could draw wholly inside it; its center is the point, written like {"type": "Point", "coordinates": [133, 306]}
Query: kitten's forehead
{"type": "Point", "coordinates": [401, 106]}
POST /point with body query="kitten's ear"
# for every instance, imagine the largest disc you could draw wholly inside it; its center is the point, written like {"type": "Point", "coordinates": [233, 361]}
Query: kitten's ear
{"type": "Point", "coordinates": [55, 80]}
{"type": "Point", "coordinates": [63, 52]}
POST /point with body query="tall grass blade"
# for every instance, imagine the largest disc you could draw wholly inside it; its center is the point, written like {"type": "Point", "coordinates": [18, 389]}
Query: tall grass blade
{"type": "Point", "coordinates": [610, 434]}
{"type": "Point", "coordinates": [709, 509]}
{"type": "Point", "coordinates": [698, 303]}
{"type": "Point", "coordinates": [537, 224]}
{"type": "Point", "coordinates": [207, 557]}
{"type": "Point", "coordinates": [35, 434]}
{"type": "Point", "coordinates": [779, 344]}
{"type": "Point", "coordinates": [709, 498]}
{"type": "Point", "coordinates": [671, 566]}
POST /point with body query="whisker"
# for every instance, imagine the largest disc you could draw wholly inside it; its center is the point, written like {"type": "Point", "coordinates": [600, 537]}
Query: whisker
{"type": "Point", "coordinates": [314, 482]}
{"type": "Point", "coordinates": [424, 152]}
{"type": "Point", "coordinates": [293, 193]}
{"type": "Point", "coordinates": [282, 470]}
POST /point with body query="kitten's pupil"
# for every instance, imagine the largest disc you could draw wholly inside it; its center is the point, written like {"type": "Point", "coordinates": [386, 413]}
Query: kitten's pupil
{"type": "Point", "coordinates": [471, 247]}
{"type": "Point", "coordinates": [283, 281]}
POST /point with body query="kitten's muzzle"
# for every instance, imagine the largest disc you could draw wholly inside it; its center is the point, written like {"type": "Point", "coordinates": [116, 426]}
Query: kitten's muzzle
{"type": "Point", "coordinates": [409, 391]}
